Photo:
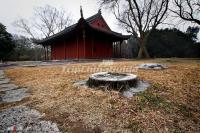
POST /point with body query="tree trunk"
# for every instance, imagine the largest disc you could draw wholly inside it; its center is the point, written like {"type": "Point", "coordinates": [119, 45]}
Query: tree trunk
{"type": "Point", "coordinates": [143, 53]}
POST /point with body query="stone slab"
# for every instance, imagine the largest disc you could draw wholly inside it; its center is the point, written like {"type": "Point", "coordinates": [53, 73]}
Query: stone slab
{"type": "Point", "coordinates": [2, 77]}
{"type": "Point", "coordinates": [141, 86]}
{"type": "Point", "coordinates": [25, 120]}
{"type": "Point", "coordinates": [1, 72]}
{"type": "Point", "coordinates": [7, 87]}
{"type": "Point", "coordinates": [4, 81]}
{"type": "Point", "coordinates": [14, 95]}
{"type": "Point", "coordinates": [153, 66]}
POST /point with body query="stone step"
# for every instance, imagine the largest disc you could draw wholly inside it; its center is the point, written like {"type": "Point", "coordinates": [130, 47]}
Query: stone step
{"type": "Point", "coordinates": [6, 87]}
{"type": "Point", "coordinates": [4, 81]}
{"type": "Point", "coordinates": [1, 72]}
{"type": "Point", "coordinates": [26, 119]}
{"type": "Point", "coordinates": [14, 95]}
{"type": "Point", "coordinates": [2, 77]}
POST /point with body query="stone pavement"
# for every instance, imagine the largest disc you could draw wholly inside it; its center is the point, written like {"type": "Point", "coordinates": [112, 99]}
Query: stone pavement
{"type": "Point", "coordinates": [10, 92]}
{"type": "Point", "coordinates": [20, 119]}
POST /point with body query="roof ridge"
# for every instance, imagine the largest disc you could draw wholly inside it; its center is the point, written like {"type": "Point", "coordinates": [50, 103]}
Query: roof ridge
{"type": "Point", "coordinates": [91, 18]}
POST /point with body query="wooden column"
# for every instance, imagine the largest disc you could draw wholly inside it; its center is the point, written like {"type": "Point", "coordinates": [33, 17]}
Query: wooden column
{"type": "Point", "coordinates": [44, 52]}
{"type": "Point", "coordinates": [77, 47]}
{"type": "Point", "coordinates": [65, 48]}
{"type": "Point", "coordinates": [114, 49]}
{"type": "Point", "coordinates": [92, 45]}
{"type": "Point", "coordinates": [113, 45]}
{"type": "Point", "coordinates": [50, 58]}
{"type": "Point", "coordinates": [117, 49]}
{"type": "Point", "coordinates": [47, 52]}
{"type": "Point", "coordinates": [84, 36]}
{"type": "Point", "coordinates": [120, 47]}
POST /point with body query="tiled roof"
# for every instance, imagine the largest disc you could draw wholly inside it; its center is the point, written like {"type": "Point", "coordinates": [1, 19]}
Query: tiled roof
{"type": "Point", "coordinates": [72, 27]}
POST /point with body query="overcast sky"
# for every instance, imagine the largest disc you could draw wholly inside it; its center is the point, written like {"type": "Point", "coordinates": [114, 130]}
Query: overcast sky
{"type": "Point", "coordinates": [11, 10]}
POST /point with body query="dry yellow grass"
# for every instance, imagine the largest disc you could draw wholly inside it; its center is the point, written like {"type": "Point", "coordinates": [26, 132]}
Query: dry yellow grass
{"type": "Point", "coordinates": [171, 104]}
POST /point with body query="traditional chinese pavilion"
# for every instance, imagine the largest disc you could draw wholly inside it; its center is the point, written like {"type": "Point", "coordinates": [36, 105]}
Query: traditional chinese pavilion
{"type": "Point", "coordinates": [90, 38]}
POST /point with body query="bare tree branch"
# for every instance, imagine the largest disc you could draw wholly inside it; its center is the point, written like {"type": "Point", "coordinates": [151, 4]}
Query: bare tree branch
{"type": "Point", "coordinates": [140, 16]}
{"type": "Point", "coordinates": [188, 10]}
{"type": "Point", "coordinates": [23, 24]}
{"type": "Point", "coordinates": [47, 21]}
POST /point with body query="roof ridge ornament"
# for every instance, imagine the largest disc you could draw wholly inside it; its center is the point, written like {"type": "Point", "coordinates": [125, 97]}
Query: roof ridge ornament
{"type": "Point", "coordinates": [99, 11]}
{"type": "Point", "coordinates": [81, 11]}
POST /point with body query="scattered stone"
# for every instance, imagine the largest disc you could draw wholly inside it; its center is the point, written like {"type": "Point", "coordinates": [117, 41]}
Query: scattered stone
{"type": "Point", "coordinates": [7, 87]}
{"type": "Point", "coordinates": [82, 83]}
{"type": "Point", "coordinates": [1, 72]}
{"type": "Point", "coordinates": [42, 127]}
{"type": "Point", "coordinates": [2, 77]}
{"type": "Point", "coordinates": [4, 81]}
{"type": "Point", "coordinates": [25, 120]}
{"type": "Point", "coordinates": [14, 95]}
{"type": "Point", "coordinates": [51, 63]}
{"type": "Point", "coordinates": [154, 66]}
{"type": "Point", "coordinates": [35, 64]}
{"type": "Point", "coordinates": [21, 118]}
{"type": "Point", "coordinates": [29, 65]}
{"type": "Point", "coordinates": [130, 92]}
{"type": "Point", "coordinates": [141, 86]}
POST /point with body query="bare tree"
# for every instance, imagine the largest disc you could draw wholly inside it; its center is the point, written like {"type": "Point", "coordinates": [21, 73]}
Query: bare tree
{"type": "Point", "coordinates": [139, 16]}
{"type": "Point", "coordinates": [188, 10]}
{"type": "Point", "coordinates": [46, 22]}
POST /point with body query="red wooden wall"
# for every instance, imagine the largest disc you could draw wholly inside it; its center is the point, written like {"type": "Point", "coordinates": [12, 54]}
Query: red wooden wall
{"type": "Point", "coordinates": [94, 46]}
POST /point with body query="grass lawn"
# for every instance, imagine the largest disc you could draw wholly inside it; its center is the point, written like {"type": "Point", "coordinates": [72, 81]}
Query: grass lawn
{"type": "Point", "coordinates": [171, 104]}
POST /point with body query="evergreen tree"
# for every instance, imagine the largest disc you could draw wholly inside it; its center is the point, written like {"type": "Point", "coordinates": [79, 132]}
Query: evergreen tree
{"type": "Point", "coordinates": [6, 43]}
{"type": "Point", "coordinates": [166, 43]}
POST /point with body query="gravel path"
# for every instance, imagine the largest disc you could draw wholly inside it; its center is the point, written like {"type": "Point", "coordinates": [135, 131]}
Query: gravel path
{"type": "Point", "coordinates": [20, 118]}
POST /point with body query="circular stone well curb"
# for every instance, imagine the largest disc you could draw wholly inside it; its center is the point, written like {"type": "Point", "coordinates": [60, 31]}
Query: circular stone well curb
{"type": "Point", "coordinates": [115, 81]}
